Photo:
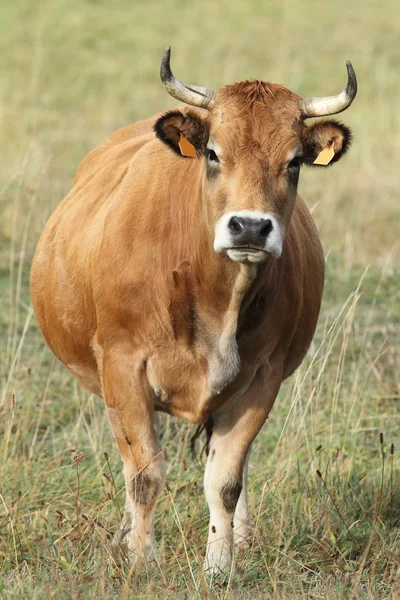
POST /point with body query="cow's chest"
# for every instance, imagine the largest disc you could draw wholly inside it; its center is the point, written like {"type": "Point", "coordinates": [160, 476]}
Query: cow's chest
{"type": "Point", "coordinates": [199, 357]}
{"type": "Point", "coordinates": [186, 379]}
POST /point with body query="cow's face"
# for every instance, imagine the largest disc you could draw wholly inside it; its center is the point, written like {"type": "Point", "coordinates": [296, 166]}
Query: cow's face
{"type": "Point", "coordinates": [252, 145]}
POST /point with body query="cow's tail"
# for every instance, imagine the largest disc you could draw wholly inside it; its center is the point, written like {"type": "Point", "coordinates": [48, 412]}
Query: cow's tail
{"type": "Point", "coordinates": [207, 427]}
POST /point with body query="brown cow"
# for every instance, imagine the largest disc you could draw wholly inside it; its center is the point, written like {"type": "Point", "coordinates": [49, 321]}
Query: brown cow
{"type": "Point", "coordinates": [191, 285]}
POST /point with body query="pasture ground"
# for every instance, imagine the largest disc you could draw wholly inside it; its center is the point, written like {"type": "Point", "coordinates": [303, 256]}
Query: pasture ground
{"type": "Point", "coordinates": [324, 475]}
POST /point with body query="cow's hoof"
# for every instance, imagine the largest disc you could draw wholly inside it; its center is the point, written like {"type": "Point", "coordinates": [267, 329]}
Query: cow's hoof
{"type": "Point", "coordinates": [128, 548]}
{"type": "Point", "coordinates": [119, 545]}
{"type": "Point", "coordinates": [218, 567]}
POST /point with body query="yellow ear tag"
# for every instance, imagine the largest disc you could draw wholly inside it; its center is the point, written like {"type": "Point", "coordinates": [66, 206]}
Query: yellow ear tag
{"type": "Point", "coordinates": [326, 155]}
{"type": "Point", "coordinates": [186, 148]}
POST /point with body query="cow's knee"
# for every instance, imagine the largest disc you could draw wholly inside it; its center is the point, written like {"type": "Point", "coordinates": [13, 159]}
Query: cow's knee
{"type": "Point", "coordinates": [222, 492]}
{"type": "Point", "coordinates": [142, 489]}
{"type": "Point", "coordinates": [230, 492]}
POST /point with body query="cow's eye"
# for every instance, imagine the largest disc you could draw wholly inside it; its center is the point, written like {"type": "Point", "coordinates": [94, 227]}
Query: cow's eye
{"type": "Point", "coordinates": [212, 156]}
{"type": "Point", "coordinates": [295, 163]}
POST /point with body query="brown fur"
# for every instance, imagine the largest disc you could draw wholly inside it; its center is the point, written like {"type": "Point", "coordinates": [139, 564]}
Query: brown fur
{"type": "Point", "coordinates": [131, 296]}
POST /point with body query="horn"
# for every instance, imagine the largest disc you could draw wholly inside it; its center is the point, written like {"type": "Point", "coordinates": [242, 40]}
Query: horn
{"type": "Point", "coordinates": [330, 105]}
{"type": "Point", "coordinates": [190, 94]}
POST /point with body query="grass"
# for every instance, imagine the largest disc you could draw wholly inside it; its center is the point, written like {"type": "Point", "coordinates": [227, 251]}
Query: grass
{"type": "Point", "coordinates": [324, 476]}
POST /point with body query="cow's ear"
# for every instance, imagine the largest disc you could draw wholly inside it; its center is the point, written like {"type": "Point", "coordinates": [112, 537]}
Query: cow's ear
{"type": "Point", "coordinates": [173, 125]}
{"type": "Point", "coordinates": [325, 142]}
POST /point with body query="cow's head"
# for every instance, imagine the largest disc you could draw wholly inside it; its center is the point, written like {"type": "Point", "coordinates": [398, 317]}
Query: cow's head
{"type": "Point", "coordinates": [252, 142]}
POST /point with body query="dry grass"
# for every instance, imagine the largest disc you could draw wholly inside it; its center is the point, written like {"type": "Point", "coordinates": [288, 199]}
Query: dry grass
{"type": "Point", "coordinates": [325, 488]}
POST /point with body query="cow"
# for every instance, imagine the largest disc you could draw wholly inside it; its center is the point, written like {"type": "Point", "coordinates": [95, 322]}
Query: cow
{"type": "Point", "coordinates": [184, 274]}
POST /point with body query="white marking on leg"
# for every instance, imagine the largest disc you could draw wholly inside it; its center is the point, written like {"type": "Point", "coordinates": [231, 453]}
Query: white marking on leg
{"type": "Point", "coordinates": [219, 553]}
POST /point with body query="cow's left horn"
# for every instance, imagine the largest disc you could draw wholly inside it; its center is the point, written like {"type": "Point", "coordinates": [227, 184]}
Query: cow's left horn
{"type": "Point", "coordinates": [190, 94]}
{"type": "Point", "coordinates": [330, 105]}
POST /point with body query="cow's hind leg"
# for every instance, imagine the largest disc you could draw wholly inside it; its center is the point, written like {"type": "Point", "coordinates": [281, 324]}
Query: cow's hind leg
{"type": "Point", "coordinates": [243, 531]}
{"type": "Point", "coordinates": [129, 400]}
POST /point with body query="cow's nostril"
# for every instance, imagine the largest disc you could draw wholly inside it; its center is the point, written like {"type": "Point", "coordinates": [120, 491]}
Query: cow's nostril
{"type": "Point", "coordinates": [235, 224]}
{"type": "Point", "coordinates": [266, 228]}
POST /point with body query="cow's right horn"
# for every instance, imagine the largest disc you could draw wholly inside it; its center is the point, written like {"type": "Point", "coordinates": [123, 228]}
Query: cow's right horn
{"type": "Point", "coordinates": [330, 105]}
{"type": "Point", "coordinates": [190, 94]}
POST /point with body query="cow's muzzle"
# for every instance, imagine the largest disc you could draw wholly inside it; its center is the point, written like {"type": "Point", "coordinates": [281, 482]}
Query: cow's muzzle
{"type": "Point", "coordinates": [249, 233]}
{"type": "Point", "coordinates": [248, 236]}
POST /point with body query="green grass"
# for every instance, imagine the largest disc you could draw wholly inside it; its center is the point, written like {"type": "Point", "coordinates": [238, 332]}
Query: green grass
{"type": "Point", "coordinates": [75, 71]}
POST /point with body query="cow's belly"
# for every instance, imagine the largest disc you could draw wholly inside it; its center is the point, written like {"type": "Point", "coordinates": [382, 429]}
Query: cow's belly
{"type": "Point", "coordinates": [181, 378]}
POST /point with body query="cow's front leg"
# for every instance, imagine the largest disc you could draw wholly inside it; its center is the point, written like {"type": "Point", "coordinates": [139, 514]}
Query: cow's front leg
{"type": "Point", "coordinates": [129, 401]}
{"type": "Point", "coordinates": [234, 431]}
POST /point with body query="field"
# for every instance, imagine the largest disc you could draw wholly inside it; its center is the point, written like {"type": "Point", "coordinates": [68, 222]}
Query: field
{"type": "Point", "coordinates": [325, 470]}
